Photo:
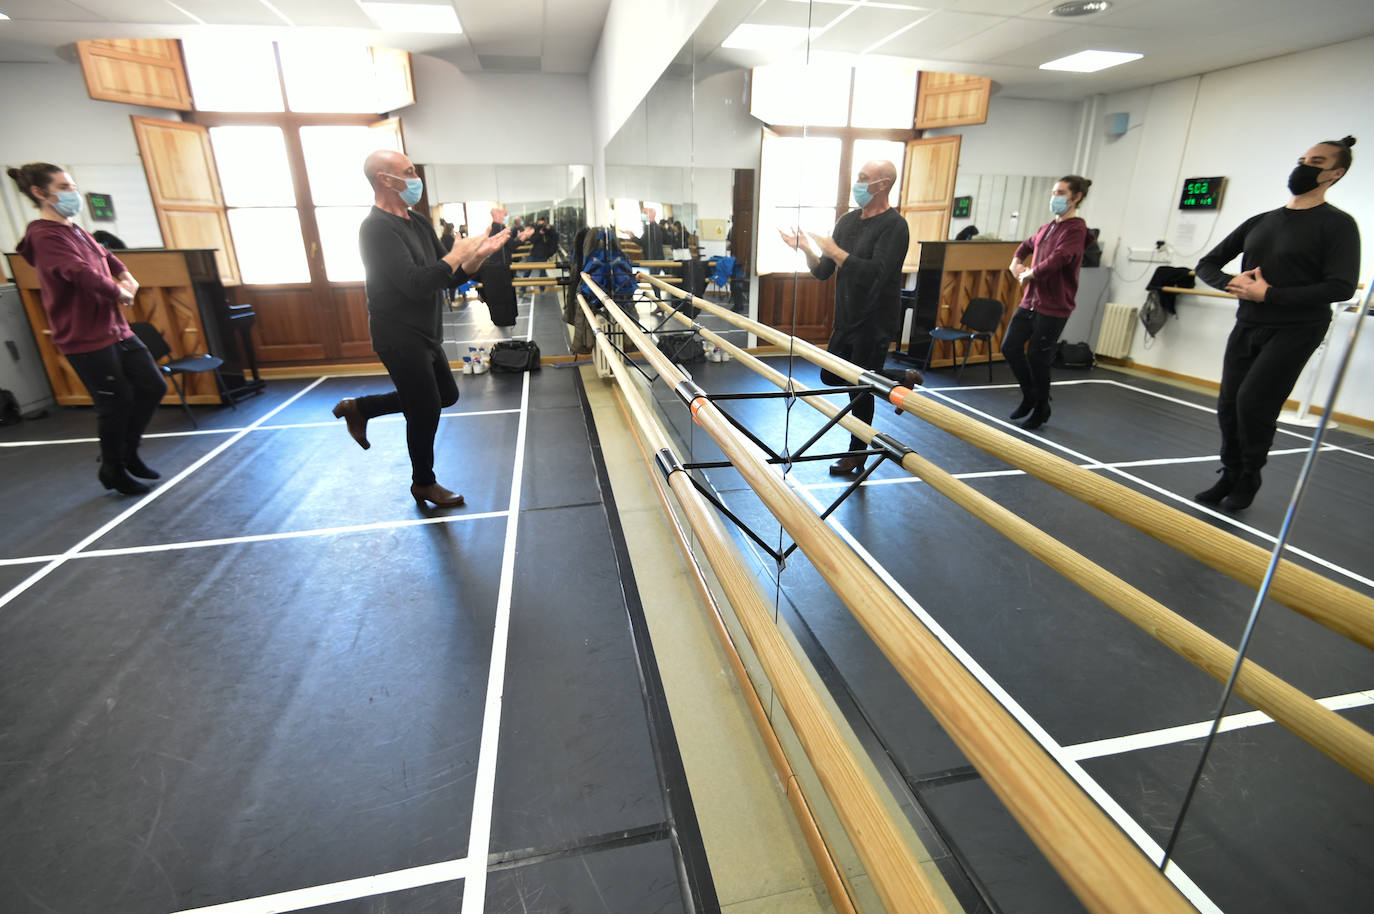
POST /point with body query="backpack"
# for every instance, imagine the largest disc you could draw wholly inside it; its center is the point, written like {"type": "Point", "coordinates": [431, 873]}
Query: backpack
{"type": "Point", "coordinates": [1075, 355]}
{"type": "Point", "coordinates": [514, 356]}
{"type": "Point", "coordinates": [1152, 314]}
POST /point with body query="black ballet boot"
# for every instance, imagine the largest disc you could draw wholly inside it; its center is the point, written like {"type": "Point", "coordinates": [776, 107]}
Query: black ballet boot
{"type": "Point", "coordinates": [113, 476]}
{"type": "Point", "coordinates": [1027, 404]}
{"type": "Point", "coordinates": [1243, 492]}
{"type": "Point", "coordinates": [136, 467]}
{"type": "Point", "coordinates": [1220, 490]}
{"type": "Point", "coordinates": [1040, 414]}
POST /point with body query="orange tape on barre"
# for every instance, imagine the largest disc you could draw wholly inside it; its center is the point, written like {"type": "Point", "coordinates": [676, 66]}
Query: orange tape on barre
{"type": "Point", "coordinates": [897, 395]}
{"type": "Point", "coordinates": [695, 405]}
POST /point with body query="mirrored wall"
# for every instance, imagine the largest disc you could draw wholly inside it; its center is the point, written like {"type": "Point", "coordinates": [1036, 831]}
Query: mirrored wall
{"type": "Point", "coordinates": [722, 160]}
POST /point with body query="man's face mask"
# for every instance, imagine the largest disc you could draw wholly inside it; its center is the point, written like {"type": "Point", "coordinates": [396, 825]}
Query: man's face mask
{"type": "Point", "coordinates": [1304, 178]}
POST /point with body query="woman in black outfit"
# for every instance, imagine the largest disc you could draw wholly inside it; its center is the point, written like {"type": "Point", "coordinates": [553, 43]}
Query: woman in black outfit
{"type": "Point", "coordinates": [1296, 261]}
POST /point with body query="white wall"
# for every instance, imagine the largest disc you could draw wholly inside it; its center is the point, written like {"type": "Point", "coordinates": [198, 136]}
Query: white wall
{"type": "Point", "coordinates": [48, 117]}
{"type": "Point", "coordinates": [496, 118]}
{"type": "Point", "coordinates": [1250, 124]}
{"type": "Point", "coordinates": [1021, 137]}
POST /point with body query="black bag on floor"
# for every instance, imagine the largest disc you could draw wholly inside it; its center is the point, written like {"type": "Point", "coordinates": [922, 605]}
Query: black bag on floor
{"type": "Point", "coordinates": [1075, 355]}
{"type": "Point", "coordinates": [682, 348]}
{"type": "Point", "coordinates": [513, 356]}
{"type": "Point", "coordinates": [9, 409]}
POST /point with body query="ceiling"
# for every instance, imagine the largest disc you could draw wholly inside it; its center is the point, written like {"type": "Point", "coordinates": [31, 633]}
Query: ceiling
{"type": "Point", "coordinates": [1006, 40]}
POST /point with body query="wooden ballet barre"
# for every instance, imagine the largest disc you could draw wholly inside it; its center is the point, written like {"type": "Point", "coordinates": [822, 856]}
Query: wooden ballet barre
{"type": "Point", "coordinates": [1336, 606]}
{"type": "Point", "coordinates": [1098, 862]}
{"type": "Point", "coordinates": [1342, 740]}
{"type": "Point", "coordinates": [657, 263]}
{"type": "Point", "coordinates": [887, 857]}
{"type": "Point", "coordinates": [537, 265]}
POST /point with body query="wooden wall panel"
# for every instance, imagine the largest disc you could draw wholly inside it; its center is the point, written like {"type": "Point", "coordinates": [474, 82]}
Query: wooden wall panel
{"type": "Point", "coordinates": [350, 310]}
{"type": "Point", "coordinates": [798, 304]}
{"type": "Point", "coordinates": [287, 324]}
{"type": "Point", "coordinates": [144, 71]}
{"type": "Point", "coordinates": [951, 99]}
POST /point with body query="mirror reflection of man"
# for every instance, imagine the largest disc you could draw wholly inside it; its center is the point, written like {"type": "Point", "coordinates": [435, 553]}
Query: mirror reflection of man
{"type": "Point", "coordinates": [406, 272]}
{"type": "Point", "coordinates": [651, 240]}
{"type": "Point", "coordinates": [864, 253]}
{"type": "Point", "coordinates": [543, 243]}
{"type": "Point", "coordinates": [497, 290]}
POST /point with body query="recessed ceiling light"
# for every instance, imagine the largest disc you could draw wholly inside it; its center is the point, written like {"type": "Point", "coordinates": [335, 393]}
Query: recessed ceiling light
{"type": "Point", "coordinates": [1081, 8]}
{"type": "Point", "coordinates": [1091, 61]}
{"type": "Point", "coordinates": [413, 17]}
{"type": "Point", "coordinates": [3, 16]}
{"type": "Point", "coordinates": [749, 37]}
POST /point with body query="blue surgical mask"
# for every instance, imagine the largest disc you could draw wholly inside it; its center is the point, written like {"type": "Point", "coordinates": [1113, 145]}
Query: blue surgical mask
{"type": "Point", "coordinates": [861, 194]}
{"type": "Point", "coordinates": [68, 203]}
{"type": "Point", "coordinates": [414, 188]}
{"type": "Point", "coordinates": [1059, 205]}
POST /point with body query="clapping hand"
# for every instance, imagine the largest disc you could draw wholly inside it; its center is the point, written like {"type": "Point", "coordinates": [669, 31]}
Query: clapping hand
{"type": "Point", "coordinates": [827, 245]}
{"type": "Point", "coordinates": [525, 234]}
{"type": "Point", "coordinates": [795, 239]}
{"type": "Point", "coordinates": [1250, 285]}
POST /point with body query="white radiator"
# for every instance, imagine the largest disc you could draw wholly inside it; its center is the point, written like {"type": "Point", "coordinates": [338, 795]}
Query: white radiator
{"type": "Point", "coordinates": [1118, 329]}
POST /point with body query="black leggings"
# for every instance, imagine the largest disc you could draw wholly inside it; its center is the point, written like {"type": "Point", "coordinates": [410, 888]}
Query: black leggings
{"type": "Point", "coordinates": [1258, 372]}
{"type": "Point", "coordinates": [1029, 349]}
{"type": "Point", "coordinates": [866, 353]}
{"type": "Point", "coordinates": [125, 386]}
{"type": "Point", "coordinates": [424, 386]}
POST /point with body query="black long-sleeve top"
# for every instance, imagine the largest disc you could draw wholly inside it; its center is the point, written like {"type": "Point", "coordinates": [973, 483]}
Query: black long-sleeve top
{"type": "Point", "coordinates": [405, 275]}
{"type": "Point", "coordinates": [868, 288]}
{"type": "Point", "coordinates": [1309, 257]}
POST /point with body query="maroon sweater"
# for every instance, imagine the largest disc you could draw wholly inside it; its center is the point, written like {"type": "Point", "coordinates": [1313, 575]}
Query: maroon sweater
{"type": "Point", "coordinates": [1055, 253]}
{"type": "Point", "coordinates": [76, 276]}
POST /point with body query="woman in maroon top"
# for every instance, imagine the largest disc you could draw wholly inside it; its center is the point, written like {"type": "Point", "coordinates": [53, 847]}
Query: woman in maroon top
{"type": "Point", "coordinates": [83, 288]}
{"type": "Point", "coordinates": [1047, 265]}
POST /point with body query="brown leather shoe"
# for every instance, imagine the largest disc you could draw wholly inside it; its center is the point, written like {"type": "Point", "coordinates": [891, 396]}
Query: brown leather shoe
{"type": "Point", "coordinates": [347, 410]}
{"type": "Point", "coordinates": [441, 497]}
{"type": "Point", "coordinates": [846, 466]}
{"type": "Point", "coordinates": [913, 378]}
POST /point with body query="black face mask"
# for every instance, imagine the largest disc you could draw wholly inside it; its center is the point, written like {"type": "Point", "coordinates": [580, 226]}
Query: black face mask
{"type": "Point", "coordinates": [1303, 179]}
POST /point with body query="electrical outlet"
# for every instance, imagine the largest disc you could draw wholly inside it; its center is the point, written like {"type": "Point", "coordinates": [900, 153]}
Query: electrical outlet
{"type": "Point", "coordinates": [1148, 255]}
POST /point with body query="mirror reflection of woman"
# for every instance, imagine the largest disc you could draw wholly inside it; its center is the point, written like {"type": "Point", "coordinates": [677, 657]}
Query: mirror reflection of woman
{"type": "Point", "coordinates": [85, 289]}
{"type": "Point", "coordinates": [1046, 265]}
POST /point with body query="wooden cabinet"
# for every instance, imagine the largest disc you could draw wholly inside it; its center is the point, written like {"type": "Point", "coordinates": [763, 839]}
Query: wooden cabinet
{"type": "Point", "coordinates": [179, 293]}
{"type": "Point", "coordinates": [952, 273]}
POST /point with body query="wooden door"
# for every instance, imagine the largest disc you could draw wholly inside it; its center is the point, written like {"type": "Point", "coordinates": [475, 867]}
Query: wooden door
{"type": "Point", "coordinates": [927, 198]}
{"type": "Point", "coordinates": [185, 188]}
{"type": "Point", "coordinates": [951, 99]}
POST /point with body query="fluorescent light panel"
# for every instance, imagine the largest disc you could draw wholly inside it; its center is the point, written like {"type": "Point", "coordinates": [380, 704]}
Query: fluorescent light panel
{"type": "Point", "coordinates": [748, 37]}
{"type": "Point", "coordinates": [414, 17]}
{"type": "Point", "coordinates": [1091, 61]}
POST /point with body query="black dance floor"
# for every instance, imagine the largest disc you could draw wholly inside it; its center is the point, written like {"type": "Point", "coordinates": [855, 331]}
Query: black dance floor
{"type": "Point", "coordinates": [1276, 826]}
{"type": "Point", "coordinates": [276, 684]}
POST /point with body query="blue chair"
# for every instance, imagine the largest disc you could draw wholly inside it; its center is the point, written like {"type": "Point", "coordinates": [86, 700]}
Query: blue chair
{"type": "Point", "coordinates": [191, 364]}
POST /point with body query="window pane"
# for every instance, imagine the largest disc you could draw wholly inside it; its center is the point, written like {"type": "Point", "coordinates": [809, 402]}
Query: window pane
{"type": "Point", "coordinates": [253, 170]}
{"type": "Point", "coordinates": [884, 96]}
{"type": "Point", "coordinates": [815, 95]}
{"type": "Point", "coordinates": [229, 74]}
{"type": "Point", "coordinates": [479, 216]}
{"type": "Point", "coordinates": [334, 162]}
{"type": "Point", "coordinates": [799, 170]}
{"type": "Point", "coordinates": [774, 255]}
{"type": "Point", "coordinates": [893, 151]}
{"type": "Point", "coordinates": [269, 245]}
{"type": "Point", "coordinates": [328, 78]}
{"type": "Point", "coordinates": [339, 241]}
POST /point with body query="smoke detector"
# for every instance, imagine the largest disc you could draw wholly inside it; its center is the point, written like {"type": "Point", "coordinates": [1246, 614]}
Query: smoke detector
{"type": "Point", "coordinates": [1081, 8]}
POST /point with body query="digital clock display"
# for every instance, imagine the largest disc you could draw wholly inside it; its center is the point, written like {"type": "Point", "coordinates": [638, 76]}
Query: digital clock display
{"type": "Point", "coordinates": [101, 207]}
{"type": "Point", "coordinates": [1201, 193]}
{"type": "Point", "coordinates": [962, 206]}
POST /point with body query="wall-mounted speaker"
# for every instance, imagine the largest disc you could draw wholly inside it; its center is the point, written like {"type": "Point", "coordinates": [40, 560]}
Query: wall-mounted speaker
{"type": "Point", "coordinates": [1116, 124]}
